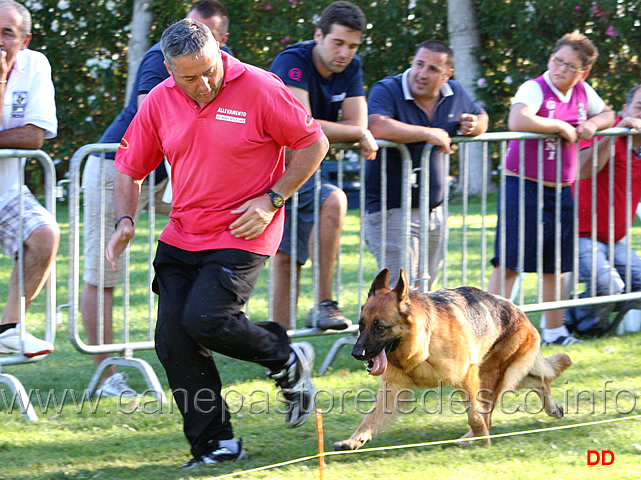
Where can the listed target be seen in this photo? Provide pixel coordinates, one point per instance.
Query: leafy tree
(518, 36)
(86, 46)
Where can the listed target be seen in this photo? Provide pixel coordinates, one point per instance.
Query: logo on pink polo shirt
(295, 74)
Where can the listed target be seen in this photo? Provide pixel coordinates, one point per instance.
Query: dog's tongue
(378, 365)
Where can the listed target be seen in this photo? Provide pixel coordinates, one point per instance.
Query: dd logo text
(605, 457)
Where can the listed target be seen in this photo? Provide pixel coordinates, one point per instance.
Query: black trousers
(200, 299)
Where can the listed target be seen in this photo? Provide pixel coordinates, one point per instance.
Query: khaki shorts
(33, 217)
(97, 227)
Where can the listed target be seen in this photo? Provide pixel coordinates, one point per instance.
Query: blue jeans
(608, 270)
(305, 221)
(592, 320)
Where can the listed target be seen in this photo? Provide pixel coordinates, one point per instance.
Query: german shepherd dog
(479, 342)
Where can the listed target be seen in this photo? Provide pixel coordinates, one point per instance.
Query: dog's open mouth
(377, 365)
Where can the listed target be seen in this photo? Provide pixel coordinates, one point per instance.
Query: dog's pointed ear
(379, 282)
(401, 289)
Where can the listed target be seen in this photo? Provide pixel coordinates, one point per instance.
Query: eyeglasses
(560, 63)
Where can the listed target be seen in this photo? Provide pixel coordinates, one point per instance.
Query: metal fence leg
(148, 373)
(20, 394)
(338, 344)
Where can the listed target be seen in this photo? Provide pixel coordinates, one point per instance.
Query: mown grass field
(143, 439)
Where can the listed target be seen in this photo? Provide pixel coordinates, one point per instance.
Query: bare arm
(523, 119)
(585, 158)
(603, 149)
(353, 126)
(28, 137)
(256, 214)
(126, 194)
(140, 98)
(393, 130)
(600, 121)
(4, 76)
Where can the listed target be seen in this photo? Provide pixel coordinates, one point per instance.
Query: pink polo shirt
(573, 111)
(221, 155)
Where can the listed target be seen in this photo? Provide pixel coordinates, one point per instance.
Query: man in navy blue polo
(421, 105)
(325, 75)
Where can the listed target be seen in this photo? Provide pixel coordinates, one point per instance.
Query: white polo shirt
(28, 99)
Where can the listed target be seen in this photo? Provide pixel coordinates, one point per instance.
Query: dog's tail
(550, 368)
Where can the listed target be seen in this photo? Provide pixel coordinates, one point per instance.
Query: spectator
(220, 234)
(28, 118)
(325, 75)
(150, 73)
(421, 105)
(610, 273)
(561, 102)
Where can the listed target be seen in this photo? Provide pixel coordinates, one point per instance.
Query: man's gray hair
(22, 11)
(186, 37)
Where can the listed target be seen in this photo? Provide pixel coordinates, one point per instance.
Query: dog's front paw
(349, 444)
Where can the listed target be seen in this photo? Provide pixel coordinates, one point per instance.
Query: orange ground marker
(321, 443)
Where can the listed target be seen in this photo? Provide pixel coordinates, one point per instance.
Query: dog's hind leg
(487, 402)
(470, 392)
(382, 412)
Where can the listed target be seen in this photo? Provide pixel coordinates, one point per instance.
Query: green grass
(144, 440)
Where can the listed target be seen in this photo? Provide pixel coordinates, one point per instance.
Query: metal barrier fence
(145, 327)
(527, 297)
(340, 150)
(466, 240)
(11, 381)
(533, 303)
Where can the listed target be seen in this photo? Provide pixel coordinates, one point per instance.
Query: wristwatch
(277, 200)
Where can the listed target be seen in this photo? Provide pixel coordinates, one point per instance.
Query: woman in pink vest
(558, 102)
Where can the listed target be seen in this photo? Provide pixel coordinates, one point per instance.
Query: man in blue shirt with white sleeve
(421, 105)
(325, 75)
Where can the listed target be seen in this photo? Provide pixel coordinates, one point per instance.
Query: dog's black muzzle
(363, 352)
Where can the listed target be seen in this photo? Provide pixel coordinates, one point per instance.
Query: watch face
(277, 200)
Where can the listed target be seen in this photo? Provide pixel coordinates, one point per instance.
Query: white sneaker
(32, 346)
(295, 382)
(116, 386)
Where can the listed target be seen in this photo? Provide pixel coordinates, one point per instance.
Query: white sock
(232, 445)
(551, 334)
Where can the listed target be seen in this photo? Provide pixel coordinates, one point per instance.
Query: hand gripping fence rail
(11, 381)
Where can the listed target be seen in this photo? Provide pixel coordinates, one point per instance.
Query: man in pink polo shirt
(223, 126)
